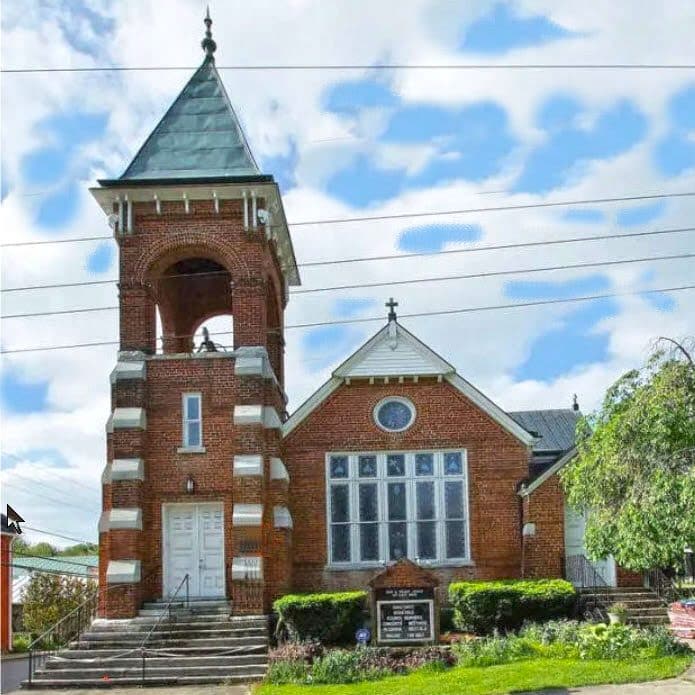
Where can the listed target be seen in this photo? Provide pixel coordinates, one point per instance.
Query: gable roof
(394, 352)
(199, 137)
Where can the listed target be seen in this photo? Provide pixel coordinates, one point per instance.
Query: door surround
(166, 507)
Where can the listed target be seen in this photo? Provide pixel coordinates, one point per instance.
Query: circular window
(394, 414)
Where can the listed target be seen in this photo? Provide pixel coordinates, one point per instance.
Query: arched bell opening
(189, 291)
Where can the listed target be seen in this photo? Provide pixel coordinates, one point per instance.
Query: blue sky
(348, 143)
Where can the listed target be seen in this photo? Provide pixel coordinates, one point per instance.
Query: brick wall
(544, 552)
(497, 462)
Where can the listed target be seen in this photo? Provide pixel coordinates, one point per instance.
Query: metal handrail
(167, 612)
(85, 613)
(663, 586)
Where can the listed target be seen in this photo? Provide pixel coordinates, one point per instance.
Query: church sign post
(404, 605)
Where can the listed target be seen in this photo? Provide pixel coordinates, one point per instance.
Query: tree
(634, 474)
(50, 597)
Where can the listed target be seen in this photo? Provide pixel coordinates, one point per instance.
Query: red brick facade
(497, 463)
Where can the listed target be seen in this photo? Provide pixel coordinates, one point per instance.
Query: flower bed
(682, 617)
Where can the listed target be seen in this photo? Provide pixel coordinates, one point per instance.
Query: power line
(393, 283)
(72, 495)
(370, 319)
(50, 499)
(393, 256)
(364, 66)
(58, 535)
(405, 215)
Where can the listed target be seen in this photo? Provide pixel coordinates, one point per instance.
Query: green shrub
(625, 642)
(504, 605)
(287, 671)
(553, 631)
(328, 618)
(340, 666)
(21, 642)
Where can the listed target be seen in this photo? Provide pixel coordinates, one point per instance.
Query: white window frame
(353, 480)
(186, 446)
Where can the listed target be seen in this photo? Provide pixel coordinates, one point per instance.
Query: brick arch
(175, 247)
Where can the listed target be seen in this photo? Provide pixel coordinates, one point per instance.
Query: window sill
(348, 566)
(191, 450)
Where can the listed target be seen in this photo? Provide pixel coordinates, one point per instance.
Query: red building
(208, 475)
(7, 535)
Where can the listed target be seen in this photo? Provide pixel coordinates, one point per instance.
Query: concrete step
(180, 651)
(195, 602)
(176, 632)
(47, 681)
(217, 660)
(219, 642)
(648, 620)
(655, 610)
(615, 589)
(251, 621)
(117, 671)
(62, 664)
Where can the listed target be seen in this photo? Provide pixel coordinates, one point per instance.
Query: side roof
(555, 428)
(395, 352)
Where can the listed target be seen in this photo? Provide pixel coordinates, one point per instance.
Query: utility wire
(365, 66)
(50, 499)
(466, 310)
(71, 495)
(405, 215)
(58, 535)
(393, 283)
(394, 256)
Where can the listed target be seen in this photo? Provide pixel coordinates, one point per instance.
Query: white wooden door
(575, 526)
(194, 545)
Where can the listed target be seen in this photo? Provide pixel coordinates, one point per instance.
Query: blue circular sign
(363, 635)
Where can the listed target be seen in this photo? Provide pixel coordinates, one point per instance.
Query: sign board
(405, 615)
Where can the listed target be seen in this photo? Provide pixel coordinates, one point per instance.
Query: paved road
(14, 671)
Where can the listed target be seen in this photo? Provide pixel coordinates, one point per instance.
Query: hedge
(483, 606)
(328, 618)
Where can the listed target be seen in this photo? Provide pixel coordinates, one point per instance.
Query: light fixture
(190, 484)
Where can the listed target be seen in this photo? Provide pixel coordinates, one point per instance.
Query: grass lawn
(521, 675)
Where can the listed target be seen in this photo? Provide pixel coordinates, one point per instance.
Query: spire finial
(391, 306)
(208, 44)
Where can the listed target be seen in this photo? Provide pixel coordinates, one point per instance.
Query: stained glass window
(388, 505)
(395, 414)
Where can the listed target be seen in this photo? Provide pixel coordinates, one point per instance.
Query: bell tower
(194, 485)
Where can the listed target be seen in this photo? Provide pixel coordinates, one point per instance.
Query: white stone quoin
(128, 469)
(266, 416)
(125, 518)
(246, 465)
(247, 515)
(129, 418)
(128, 370)
(278, 470)
(123, 572)
(248, 415)
(282, 517)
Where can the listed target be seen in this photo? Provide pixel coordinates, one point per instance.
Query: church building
(211, 479)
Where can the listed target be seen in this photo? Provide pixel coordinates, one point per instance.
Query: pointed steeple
(200, 136)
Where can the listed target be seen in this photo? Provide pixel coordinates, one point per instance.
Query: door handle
(201, 564)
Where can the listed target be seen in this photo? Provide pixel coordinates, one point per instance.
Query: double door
(194, 545)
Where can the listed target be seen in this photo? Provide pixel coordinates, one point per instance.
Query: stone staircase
(644, 607)
(203, 643)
